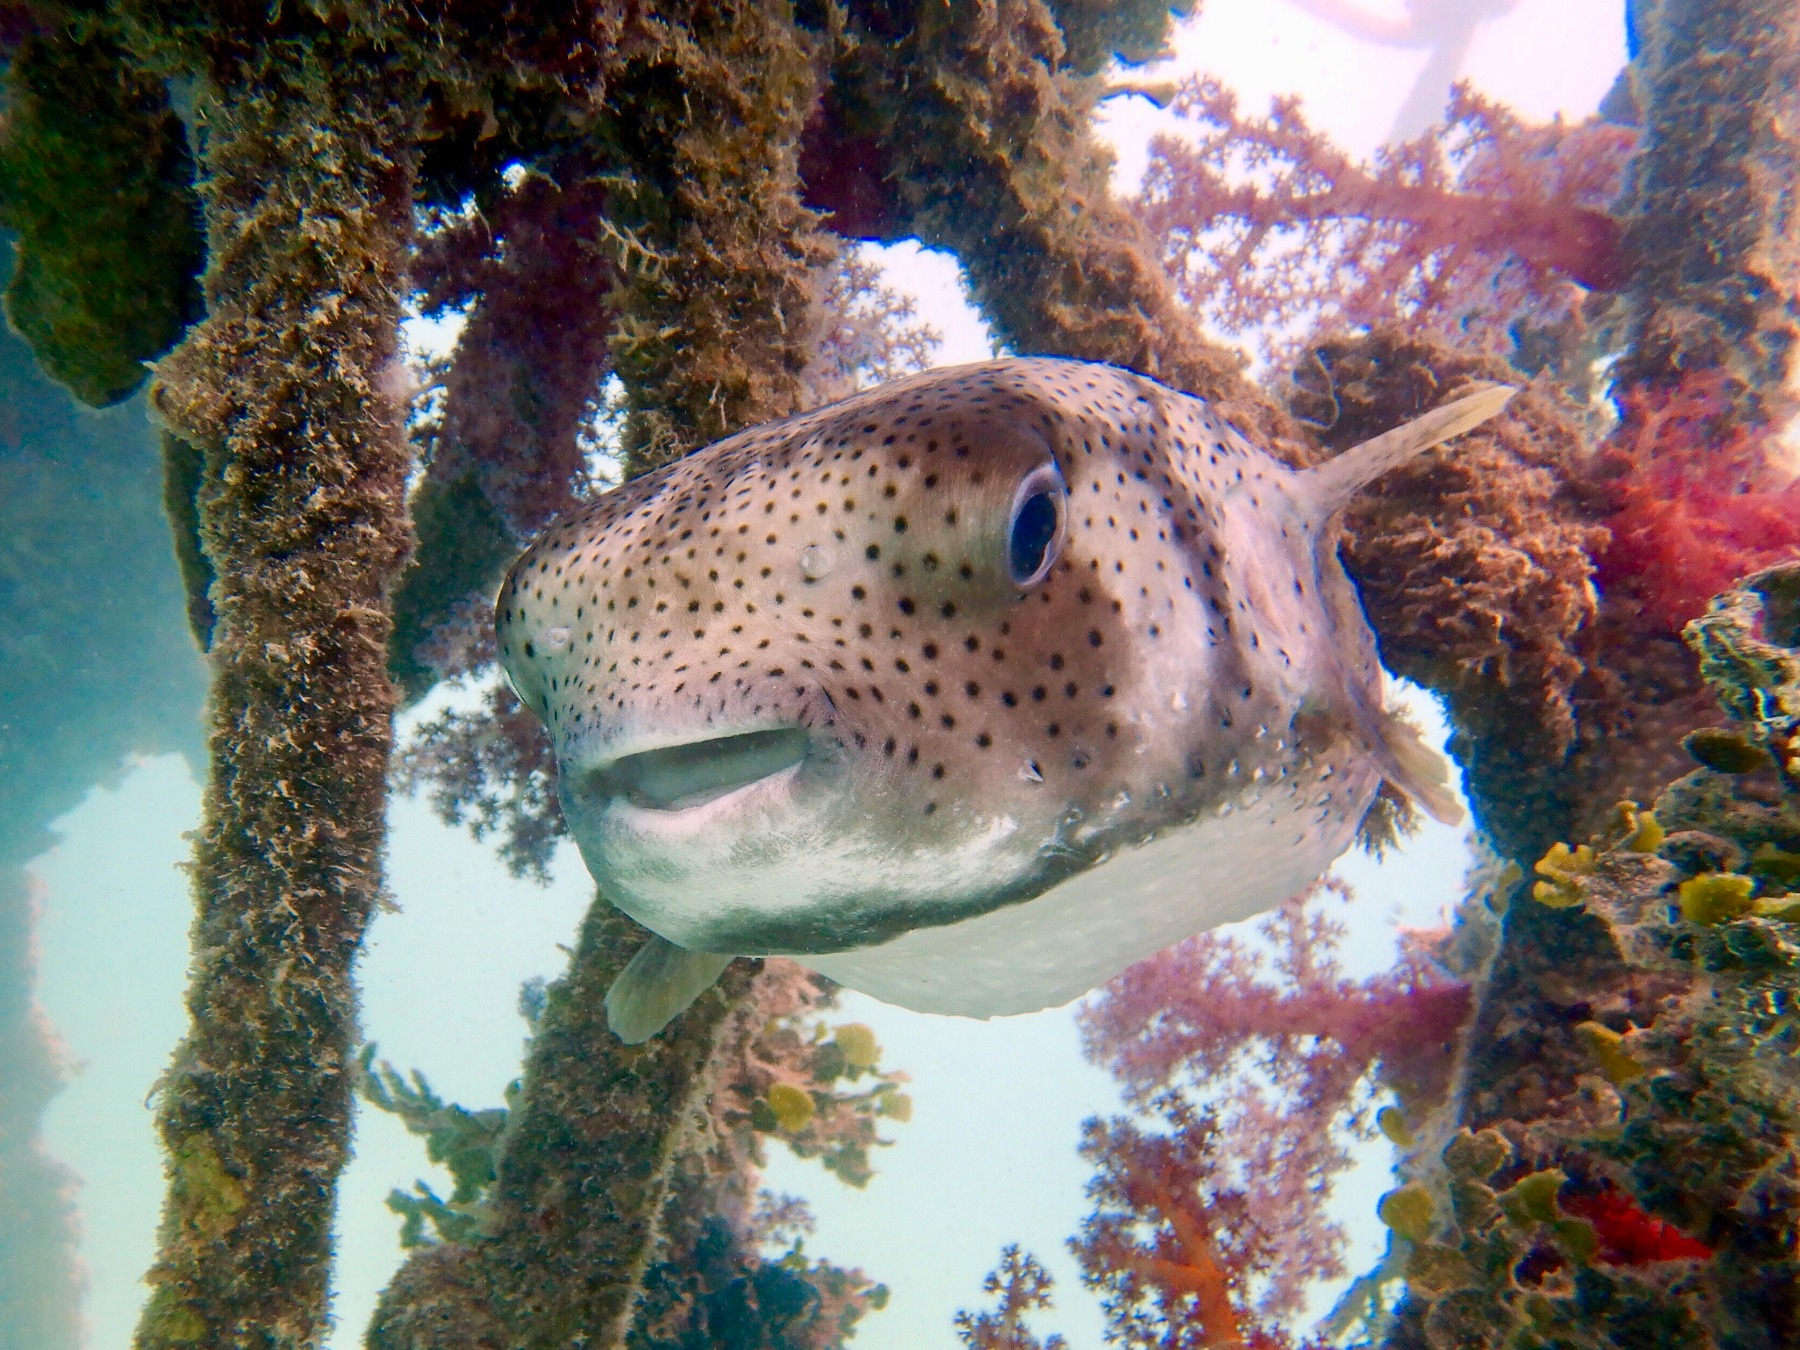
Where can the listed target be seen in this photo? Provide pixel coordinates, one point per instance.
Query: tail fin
(1336, 481)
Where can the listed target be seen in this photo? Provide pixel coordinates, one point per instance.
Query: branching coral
(528, 365)
(1697, 502)
(1175, 1239)
(492, 768)
(1023, 1287)
(1484, 232)
(1287, 1052)
(866, 333)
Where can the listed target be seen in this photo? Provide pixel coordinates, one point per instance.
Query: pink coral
(1480, 226)
(528, 367)
(1175, 1243)
(494, 768)
(1023, 1287)
(1189, 1013)
(1283, 1047)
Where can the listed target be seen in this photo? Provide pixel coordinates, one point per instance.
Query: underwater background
(520, 251)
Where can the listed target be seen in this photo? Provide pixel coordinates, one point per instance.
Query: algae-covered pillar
(970, 127)
(292, 389)
(1709, 202)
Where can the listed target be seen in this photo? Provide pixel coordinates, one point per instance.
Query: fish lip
(678, 776)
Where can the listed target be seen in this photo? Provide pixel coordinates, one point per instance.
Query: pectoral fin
(656, 986)
(1416, 769)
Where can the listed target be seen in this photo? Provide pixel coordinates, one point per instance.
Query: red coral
(1628, 1236)
(1696, 507)
(1191, 1012)
(1481, 226)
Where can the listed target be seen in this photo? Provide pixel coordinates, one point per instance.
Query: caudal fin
(1335, 482)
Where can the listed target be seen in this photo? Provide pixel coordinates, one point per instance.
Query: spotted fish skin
(803, 702)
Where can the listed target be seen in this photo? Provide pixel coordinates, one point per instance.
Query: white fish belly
(1074, 937)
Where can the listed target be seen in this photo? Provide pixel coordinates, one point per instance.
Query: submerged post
(292, 388)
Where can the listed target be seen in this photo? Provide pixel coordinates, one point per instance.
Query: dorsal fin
(1336, 481)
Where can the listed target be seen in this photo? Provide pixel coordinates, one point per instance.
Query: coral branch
(1475, 232)
(1285, 1051)
(1173, 1244)
(1024, 1287)
(1698, 501)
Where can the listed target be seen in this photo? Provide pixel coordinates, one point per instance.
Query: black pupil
(1032, 530)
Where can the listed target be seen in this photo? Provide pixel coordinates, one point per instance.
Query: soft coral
(1697, 503)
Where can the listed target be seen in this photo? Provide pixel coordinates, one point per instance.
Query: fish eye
(1035, 528)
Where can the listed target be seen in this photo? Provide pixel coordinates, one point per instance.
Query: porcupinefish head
(967, 691)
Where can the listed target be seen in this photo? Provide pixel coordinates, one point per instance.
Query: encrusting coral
(1631, 1058)
(97, 181)
(1708, 222)
(1474, 565)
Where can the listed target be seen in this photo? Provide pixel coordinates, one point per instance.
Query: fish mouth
(694, 773)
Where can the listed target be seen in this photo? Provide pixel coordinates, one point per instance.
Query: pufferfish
(968, 691)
